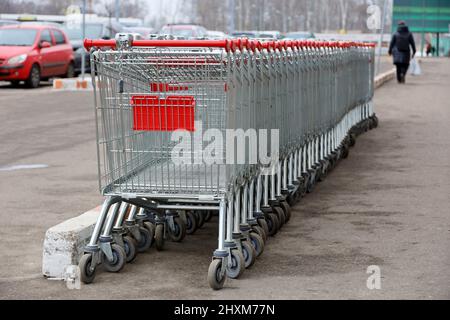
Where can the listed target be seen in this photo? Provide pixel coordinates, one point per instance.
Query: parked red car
(32, 53)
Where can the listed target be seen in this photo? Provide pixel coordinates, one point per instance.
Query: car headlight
(18, 59)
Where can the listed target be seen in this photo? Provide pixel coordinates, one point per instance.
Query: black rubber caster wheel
(272, 223)
(301, 191)
(263, 224)
(237, 267)
(179, 232)
(297, 196)
(345, 151)
(257, 243)
(216, 279)
(260, 231)
(324, 170)
(249, 253)
(292, 199)
(199, 215)
(375, 121)
(333, 161)
(280, 215)
(286, 209)
(318, 170)
(145, 242)
(191, 223)
(208, 216)
(151, 229)
(311, 184)
(129, 245)
(119, 259)
(87, 271)
(352, 140)
(159, 237)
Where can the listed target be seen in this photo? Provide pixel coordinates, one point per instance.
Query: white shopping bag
(414, 68)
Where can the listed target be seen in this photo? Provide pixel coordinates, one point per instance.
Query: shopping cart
(155, 99)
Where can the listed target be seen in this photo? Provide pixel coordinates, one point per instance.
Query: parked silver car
(184, 31)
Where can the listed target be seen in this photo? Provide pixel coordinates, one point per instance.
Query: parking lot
(386, 205)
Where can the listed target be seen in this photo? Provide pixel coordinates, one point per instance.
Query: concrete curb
(385, 77)
(64, 243)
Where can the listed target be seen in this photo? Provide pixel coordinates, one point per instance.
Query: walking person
(428, 48)
(400, 48)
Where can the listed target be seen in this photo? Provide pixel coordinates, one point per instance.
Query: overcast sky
(166, 8)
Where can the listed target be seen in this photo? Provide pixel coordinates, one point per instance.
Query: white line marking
(22, 278)
(24, 167)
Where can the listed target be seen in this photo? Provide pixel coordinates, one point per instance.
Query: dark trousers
(402, 68)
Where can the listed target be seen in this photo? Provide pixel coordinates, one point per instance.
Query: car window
(109, 33)
(59, 37)
(74, 31)
(185, 32)
(17, 37)
(45, 36)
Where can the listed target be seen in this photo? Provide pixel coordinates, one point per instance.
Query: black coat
(400, 45)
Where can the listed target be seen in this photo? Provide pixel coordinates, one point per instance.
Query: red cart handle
(226, 44)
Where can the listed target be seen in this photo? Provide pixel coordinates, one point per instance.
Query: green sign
(423, 15)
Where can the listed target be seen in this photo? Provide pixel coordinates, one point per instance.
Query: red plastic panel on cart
(166, 87)
(152, 113)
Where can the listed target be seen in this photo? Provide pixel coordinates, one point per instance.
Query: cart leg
(132, 225)
(92, 256)
(273, 202)
(273, 222)
(143, 220)
(245, 226)
(258, 214)
(106, 237)
(293, 186)
(93, 243)
(217, 272)
(237, 234)
(142, 231)
(255, 234)
(160, 230)
(291, 172)
(281, 189)
(121, 237)
(311, 167)
(251, 220)
(301, 173)
(237, 261)
(112, 256)
(175, 226)
(249, 248)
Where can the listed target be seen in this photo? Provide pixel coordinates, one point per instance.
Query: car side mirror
(44, 44)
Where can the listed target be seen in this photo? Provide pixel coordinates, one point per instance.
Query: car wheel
(70, 73)
(34, 77)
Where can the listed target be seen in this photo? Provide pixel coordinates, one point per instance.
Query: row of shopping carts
(236, 128)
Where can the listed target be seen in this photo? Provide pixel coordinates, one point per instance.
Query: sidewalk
(386, 205)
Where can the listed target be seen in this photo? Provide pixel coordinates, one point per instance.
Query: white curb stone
(64, 243)
(383, 78)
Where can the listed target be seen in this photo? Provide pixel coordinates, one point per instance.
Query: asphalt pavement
(387, 206)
